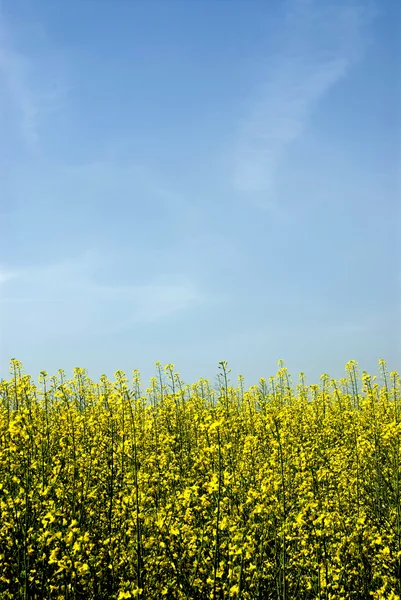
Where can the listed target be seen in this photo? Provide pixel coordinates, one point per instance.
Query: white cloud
(68, 298)
(29, 87)
(318, 44)
(6, 275)
(13, 73)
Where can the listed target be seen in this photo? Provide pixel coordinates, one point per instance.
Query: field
(280, 491)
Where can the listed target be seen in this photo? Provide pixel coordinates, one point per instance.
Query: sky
(190, 182)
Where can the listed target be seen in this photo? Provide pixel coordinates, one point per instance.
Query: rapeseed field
(200, 491)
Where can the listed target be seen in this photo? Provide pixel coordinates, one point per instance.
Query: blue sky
(200, 181)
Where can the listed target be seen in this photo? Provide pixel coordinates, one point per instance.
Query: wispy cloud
(13, 74)
(69, 298)
(319, 43)
(30, 95)
(6, 275)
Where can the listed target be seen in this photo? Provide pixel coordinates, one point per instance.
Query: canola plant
(196, 492)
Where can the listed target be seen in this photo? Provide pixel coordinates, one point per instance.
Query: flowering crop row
(191, 492)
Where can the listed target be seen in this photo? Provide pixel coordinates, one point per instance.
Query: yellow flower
(83, 569)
